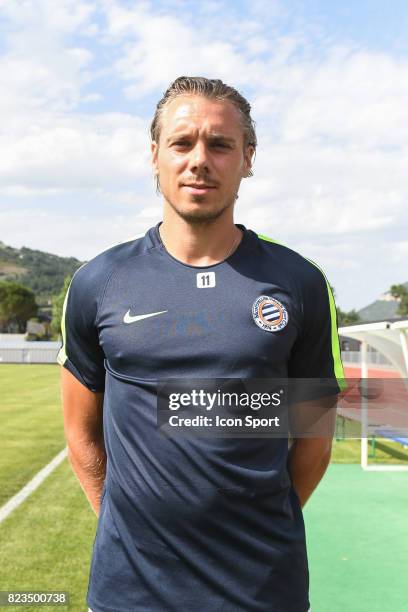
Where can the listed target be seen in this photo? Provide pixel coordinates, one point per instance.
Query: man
(194, 522)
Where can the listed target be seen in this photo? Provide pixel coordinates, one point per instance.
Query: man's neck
(200, 244)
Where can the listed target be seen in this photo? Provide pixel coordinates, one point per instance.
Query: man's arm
(308, 461)
(312, 424)
(83, 424)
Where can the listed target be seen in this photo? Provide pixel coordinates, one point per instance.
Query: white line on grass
(31, 486)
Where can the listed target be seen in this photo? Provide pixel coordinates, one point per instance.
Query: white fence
(14, 349)
(373, 358)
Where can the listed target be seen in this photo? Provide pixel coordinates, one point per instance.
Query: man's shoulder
(97, 270)
(303, 269)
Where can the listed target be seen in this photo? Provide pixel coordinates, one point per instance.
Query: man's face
(200, 158)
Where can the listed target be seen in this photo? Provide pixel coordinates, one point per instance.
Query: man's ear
(154, 148)
(248, 157)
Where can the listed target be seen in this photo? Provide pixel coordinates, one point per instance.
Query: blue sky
(328, 84)
(375, 24)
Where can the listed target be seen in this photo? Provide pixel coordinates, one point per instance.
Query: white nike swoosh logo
(129, 319)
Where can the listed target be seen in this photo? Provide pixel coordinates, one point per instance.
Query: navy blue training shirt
(210, 524)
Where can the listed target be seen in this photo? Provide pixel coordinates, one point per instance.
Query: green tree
(58, 305)
(17, 305)
(401, 292)
(345, 318)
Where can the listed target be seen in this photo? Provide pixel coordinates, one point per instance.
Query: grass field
(31, 423)
(45, 544)
(356, 521)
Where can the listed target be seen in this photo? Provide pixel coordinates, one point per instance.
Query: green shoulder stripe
(338, 366)
(262, 237)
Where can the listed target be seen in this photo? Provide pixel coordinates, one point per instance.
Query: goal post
(391, 340)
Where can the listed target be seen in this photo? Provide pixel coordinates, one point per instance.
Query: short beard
(200, 216)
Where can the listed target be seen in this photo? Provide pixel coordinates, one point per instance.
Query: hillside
(382, 309)
(42, 272)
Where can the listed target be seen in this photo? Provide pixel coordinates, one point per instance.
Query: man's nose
(199, 157)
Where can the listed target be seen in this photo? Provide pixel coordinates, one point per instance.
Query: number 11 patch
(205, 280)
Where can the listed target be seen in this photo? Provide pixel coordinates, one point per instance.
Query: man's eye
(187, 143)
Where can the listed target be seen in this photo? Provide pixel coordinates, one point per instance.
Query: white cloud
(399, 252)
(333, 193)
(158, 47)
(41, 68)
(56, 232)
(61, 16)
(22, 191)
(356, 98)
(75, 152)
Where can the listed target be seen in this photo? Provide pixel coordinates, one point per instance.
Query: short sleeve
(316, 353)
(81, 352)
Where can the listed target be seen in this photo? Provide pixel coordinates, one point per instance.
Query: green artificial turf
(357, 526)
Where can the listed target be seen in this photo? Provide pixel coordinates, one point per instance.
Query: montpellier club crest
(269, 314)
